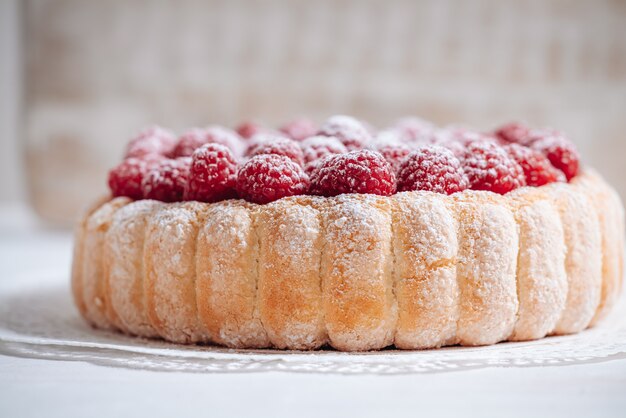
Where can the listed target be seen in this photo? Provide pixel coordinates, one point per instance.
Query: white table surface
(32, 387)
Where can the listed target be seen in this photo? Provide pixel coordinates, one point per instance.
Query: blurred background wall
(93, 73)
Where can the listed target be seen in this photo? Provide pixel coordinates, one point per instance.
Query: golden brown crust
(583, 260)
(358, 272)
(124, 272)
(94, 291)
(227, 270)
(289, 287)
(170, 272)
(488, 246)
(425, 250)
(610, 216)
(541, 276)
(357, 286)
(77, 256)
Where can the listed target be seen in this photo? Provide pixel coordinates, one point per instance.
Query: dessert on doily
(301, 237)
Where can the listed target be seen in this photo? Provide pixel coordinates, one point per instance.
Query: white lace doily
(43, 323)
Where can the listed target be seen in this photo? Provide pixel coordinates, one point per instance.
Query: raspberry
(412, 129)
(248, 129)
(195, 138)
(457, 139)
(317, 147)
(513, 132)
(560, 151)
(166, 180)
(125, 179)
(394, 154)
(537, 168)
(433, 168)
(489, 167)
(151, 141)
(268, 177)
(351, 132)
(278, 146)
(212, 175)
(361, 171)
(299, 129)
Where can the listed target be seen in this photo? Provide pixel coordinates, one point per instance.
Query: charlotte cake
(472, 239)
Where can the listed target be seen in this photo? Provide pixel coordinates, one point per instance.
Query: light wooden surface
(95, 72)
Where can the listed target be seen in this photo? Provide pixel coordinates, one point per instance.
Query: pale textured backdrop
(95, 72)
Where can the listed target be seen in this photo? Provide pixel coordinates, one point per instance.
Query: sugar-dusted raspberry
(457, 139)
(513, 132)
(394, 154)
(151, 141)
(166, 180)
(195, 138)
(351, 132)
(317, 147)
(559, 150)
(268, 177)
(537, 168)
(212, 175)
(412, 129)
(278, 146)
(433, 168)
(125, 179)
(299, 129)
(362, 171)
(489, 167)
(248, 129)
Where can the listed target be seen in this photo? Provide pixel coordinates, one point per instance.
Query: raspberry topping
(537, 168)
(361, 171)
(489, 167)
(268, 177)
(559, 150)
(412, 129)
(513, 132)
(212, 175)
(317, 147)
(151, 141)
(351, 132)
(166, 180)
(125, 179)
(196, 137)
(433, 168)
(248, 129)
(278, 146)
(394, 154)
(299, 129)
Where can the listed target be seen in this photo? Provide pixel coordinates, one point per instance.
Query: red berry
(433, 168)
(196, 137)
(212, 175)
(361, 171)
(412, 129)
(394, 154)
(351, 132)
(299, 129)
(268, 177)
(489, 167)
(559, 150)
(166, 180)
(248, 129)
(537, 168)
(125, 179)
(458, 139)
(513, 132)
(317, 147)
(151, 141)
(278, 146)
